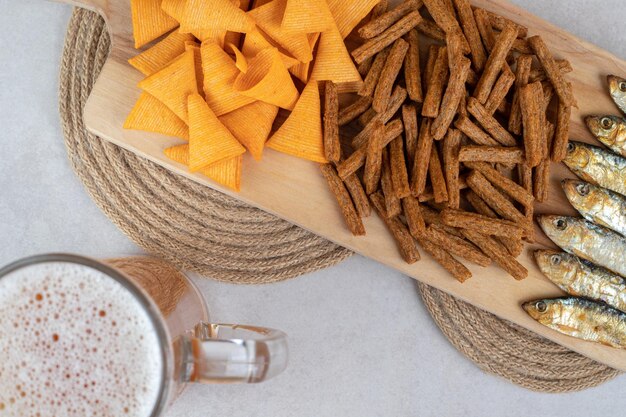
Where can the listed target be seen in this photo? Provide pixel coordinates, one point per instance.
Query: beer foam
(75, 342)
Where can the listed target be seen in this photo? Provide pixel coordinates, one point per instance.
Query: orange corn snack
(251, 125)
(220, 73)
(302, 70)
(226, 172)
(256, 41)
(149, 21)
(268, 80)
(209, 140)
(172, 84)
(301, 134)
(153, 59)
(269, 18)
(197, 60)
(151, 115)
(306, 16)
(215, 14)
(348, 13)
(240, 60)
(333, 62)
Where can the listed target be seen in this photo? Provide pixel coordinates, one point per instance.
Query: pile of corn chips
(222, 69)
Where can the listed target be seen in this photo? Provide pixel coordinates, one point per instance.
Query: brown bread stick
(343, 198)
(506, 185)
(538, 74)
(381, 23)
(404, 241)
(447, 261)
(371, 79)
(437, 179)
(374, 159)
(496, 200)
(495, 61)
(451, 148)
(367, 117)
(332, 146)
(380, 42)
(500, 90)
(377, 11)
(430, 29)
(521, 46)
(399, 175)
(354, 110)
(498, 22)
(397, 98)
(561, 136)
(434, 89)
(483, 23)
(361, 202)
(456, 246)
(392, 202)
(409, 119)
(475, 133)
(433, 53)
(412, 74)
(489, 123)
(466, 220)
(391, 69)
(422, 158)
(552, 70)
(496, 154)
(531, 103)
(525, 177)
(451, 98)
(522, 73)
(442, 12)
(413, 215)
(497, 253)
(542, 171)
(468, 24)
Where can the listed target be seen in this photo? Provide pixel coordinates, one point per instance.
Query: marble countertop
(362, 343)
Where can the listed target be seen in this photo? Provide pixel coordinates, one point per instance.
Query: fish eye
(583, 189)
(622, 86)
(541, 307)
(571, 147)
(606, 123)
(555, 260)
(560, 224)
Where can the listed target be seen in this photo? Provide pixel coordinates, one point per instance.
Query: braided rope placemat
(199, 229)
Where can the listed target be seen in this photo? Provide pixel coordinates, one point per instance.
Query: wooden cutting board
(294, 189)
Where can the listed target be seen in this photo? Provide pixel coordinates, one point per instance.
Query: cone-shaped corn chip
(220, 73)
(269, 19)
(302, 70)
(348, 13)
(226, 172)
(172, 84)
(151, 60)
(333, 62)
(215, 14)
(307, 16)
(176, 9)
(251, 125)
(149, 21)
(150, 115)
(209, 140)
(301, 134)
(240, 60)
(268, 80)
(256, 41)
(197, 59)
(235, 37)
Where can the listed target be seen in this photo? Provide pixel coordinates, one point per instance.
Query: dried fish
(617, 88)
(586, 240)
(597, 204)
(581, 278)
(580, 318)
(610, 130)
(597, 166)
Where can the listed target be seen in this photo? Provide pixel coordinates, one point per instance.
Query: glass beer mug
(119, 337)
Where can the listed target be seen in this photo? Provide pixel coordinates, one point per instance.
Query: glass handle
(225, 353)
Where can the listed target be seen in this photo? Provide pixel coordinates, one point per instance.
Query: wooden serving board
(294, 189)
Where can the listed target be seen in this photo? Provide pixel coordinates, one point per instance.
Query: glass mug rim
(144, 300)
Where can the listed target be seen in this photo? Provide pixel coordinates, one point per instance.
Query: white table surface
(361, 342)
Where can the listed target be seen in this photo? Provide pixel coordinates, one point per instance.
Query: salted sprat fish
(610, 130)
(617, 88)
(597, 166)
(597, 204)
(581, 278)
(587, 240)
(580, 318)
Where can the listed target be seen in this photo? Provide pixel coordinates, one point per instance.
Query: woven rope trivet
(202, 230)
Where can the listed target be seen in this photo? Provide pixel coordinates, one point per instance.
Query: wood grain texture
(303, 197)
